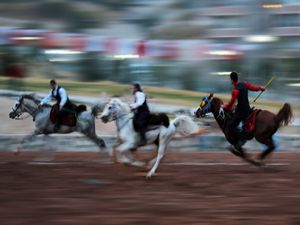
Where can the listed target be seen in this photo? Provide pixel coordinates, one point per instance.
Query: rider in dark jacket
(141, 110)
(64, 104)
(242, 110)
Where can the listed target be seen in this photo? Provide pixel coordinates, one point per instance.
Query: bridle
(29, 111)
(205, 106)
(114, 114)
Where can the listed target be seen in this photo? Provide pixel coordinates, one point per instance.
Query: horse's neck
(122, 120)
(30, 107)
(220, 120)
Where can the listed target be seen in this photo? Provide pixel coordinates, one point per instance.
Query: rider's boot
(241, 141)
(143, 140)
(56, 127)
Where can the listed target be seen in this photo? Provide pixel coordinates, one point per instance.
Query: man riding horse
(62, 100)
(141, 110)
(242, 110)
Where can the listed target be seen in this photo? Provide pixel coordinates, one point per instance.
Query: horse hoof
(149, 175)
(138, 164)
(234, 151)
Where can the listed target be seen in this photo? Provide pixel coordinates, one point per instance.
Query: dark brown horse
(266, 125)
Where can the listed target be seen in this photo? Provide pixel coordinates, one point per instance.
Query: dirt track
(190, 188)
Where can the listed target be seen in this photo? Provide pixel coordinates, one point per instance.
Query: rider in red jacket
(242, 110)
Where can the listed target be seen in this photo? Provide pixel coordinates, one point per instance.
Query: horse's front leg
(26, 139)
(96, 139)
(120, 153)
(124, 155)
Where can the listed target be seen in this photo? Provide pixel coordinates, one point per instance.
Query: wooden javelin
(266, 86)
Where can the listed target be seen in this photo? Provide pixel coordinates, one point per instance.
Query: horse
(118, 111)
(266, 125)
(29, 103)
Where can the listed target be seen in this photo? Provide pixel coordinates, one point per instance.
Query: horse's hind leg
(163, 142)
(242, 154)
(271, 146)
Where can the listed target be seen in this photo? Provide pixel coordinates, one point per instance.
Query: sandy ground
(189, 188)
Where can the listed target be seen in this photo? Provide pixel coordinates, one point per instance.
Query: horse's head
(18, 108)
(114, 108)
(25, 103)
(205, 106)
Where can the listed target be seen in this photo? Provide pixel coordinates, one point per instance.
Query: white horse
(130, 139)
(28, 103)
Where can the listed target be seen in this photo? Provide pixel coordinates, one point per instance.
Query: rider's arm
(64, 97)
(140, 99)
(47, 99)
(252, 87)
(229, 105)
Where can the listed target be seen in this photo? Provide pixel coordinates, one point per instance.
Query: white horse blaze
(130, 138)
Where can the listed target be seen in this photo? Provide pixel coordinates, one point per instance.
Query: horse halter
(18, 114)
(112, 113)
(205, 106)
(17, 106)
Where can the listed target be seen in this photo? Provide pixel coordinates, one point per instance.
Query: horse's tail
(186, 126)
(285, 115)
(80, 109)
(164, 119)
(95, 110)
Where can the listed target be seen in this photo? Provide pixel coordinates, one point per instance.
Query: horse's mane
(32, 97)
(124, 106)
(217, 100)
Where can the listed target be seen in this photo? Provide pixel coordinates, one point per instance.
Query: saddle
(249, 123)
(154, 120)
(70, 117)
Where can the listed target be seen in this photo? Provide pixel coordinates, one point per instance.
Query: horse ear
(210, 96)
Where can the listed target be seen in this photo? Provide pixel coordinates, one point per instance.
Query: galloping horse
(266, 125)
(85, 123)
(129, 138)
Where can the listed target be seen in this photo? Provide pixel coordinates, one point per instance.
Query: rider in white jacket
(64, 104)
(141, 110)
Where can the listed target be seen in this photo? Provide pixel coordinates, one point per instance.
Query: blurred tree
(90, 67)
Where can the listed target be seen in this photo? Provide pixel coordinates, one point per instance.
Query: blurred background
(191, 45)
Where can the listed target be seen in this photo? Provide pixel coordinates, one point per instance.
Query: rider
(140, 109)
(242, 110)
(64, 104)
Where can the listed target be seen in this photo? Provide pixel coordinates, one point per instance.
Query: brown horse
(266, 125)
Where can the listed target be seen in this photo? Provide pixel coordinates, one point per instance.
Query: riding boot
(245, 135)
(56, 126)
(242, 139)
(58, 121)
(143, 140)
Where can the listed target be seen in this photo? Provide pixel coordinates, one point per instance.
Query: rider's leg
(59, 117)
(234, 128)
(142, 124)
